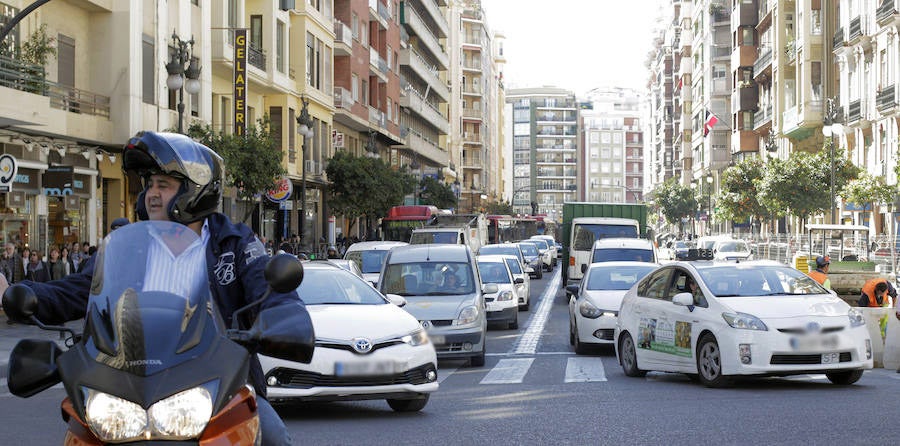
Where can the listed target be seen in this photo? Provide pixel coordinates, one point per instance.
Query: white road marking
(528, 343)
(584, 369)
(508, 371)
(444, 373)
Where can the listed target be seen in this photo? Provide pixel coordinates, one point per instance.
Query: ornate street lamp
(305, 126)
(184, 73)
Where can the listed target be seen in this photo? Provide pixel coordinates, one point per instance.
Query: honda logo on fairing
(362, 345)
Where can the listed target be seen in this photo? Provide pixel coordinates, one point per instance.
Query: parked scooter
(155, 361)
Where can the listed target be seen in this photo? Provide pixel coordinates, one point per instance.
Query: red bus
(401, 220)
(506, 228)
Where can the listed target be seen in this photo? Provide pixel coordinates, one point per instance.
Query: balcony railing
(886, 98)
(377, 117)
(838, 40)
(343, 34)
(763, 60)
(854, 111)
(343, 98)
(256, 57)
(886, 10)
(856, 28)
(762, 116)
(30, 78)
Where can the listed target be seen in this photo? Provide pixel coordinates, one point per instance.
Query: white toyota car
(366, 347)
(749, 318)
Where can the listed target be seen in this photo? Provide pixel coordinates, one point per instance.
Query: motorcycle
(155, 361)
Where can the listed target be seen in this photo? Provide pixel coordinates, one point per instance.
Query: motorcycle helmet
(821, 261)
(200, 170)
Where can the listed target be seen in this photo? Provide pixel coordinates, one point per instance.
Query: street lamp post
(184, 73)
(456, 191)
(414, 165)
(305, 129)
(709, 181)
(832, 124)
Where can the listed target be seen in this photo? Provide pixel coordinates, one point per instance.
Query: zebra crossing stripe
(528, 342)
(508, 371)
(585, 369)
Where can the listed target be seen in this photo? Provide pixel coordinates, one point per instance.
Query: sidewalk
(10, 334)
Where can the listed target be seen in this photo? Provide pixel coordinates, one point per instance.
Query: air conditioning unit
(310, 167)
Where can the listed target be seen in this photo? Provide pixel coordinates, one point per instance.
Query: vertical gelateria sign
(240, 81)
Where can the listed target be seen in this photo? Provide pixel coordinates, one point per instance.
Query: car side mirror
(583, 268)
(396, 299)
(489, 288)
(32, 367)
(572, 289)
(683, 299)
(519, 280)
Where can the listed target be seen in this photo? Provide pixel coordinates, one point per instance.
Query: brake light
(571, 261)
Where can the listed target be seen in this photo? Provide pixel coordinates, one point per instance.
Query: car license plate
(364, 368)
(808, 343)
(437, 339)
(831, 358)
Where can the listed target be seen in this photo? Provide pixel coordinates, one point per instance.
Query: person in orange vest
(820, 274)
(875, 293)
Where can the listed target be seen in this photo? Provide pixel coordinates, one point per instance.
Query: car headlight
(856, 318)
(506, 295)
(418, 337)
(744, 321)
(179, 417)
(590, 311)
(467, 316)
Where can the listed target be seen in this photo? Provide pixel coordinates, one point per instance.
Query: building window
(354, 87)
(256, 32)
(279, 46)
(225, 114)
(816, 78)
(148, 59)
(354, 26)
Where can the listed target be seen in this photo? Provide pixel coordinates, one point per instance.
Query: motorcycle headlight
(183, 415)
(856, 318)
(506, 295)
(418, 337)
(179, 417)
(468, 315)
(112, 418)
(744, 321)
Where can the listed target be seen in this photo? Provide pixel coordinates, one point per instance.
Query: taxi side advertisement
(659, 335)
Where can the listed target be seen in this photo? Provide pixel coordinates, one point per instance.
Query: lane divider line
(528, 342)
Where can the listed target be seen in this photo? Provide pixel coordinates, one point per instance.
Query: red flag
(711, 121)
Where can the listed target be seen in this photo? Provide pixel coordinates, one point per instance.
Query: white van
(585, 231)
(369, 257)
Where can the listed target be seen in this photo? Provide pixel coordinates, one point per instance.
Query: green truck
(584, 223)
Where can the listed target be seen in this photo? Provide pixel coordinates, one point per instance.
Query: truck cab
(587, 230)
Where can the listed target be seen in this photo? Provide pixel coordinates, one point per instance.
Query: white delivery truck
(456, 229)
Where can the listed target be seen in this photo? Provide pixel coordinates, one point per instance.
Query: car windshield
(493, 272)
(369, 261)
(514, 266)
(616, 277)
(747, 280)
(735, 246)
(325, 285)
(528, 249)
(429, 237)
(622, 254)
(495, 249)
(428, 278)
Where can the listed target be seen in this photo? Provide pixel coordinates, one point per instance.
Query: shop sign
(58, 181)
(8, 169)
(282, 190)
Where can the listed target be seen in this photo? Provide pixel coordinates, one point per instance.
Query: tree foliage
(39, 47)
(252, 160)
(868, 190)
(675, 201)
(435, 193)
(738, 198)
(499, 208)
(363, 186)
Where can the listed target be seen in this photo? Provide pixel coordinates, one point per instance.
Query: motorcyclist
(183, 182)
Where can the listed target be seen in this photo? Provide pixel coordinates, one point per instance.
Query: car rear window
(622, 254)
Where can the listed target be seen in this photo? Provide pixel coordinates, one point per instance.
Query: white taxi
(750, 318)
(367, 347)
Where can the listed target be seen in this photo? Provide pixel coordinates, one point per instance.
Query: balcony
(471, 65)
(434, 12)
(472, 162)
(343, 98)
(472, 90)
(762, 116)
(377, 117)
(472, 138)
(416, 26)
(854, 111)
(886, 100)
(343, 39)
(414, 102)
(886, 11)
(838, 41)
(29, 78)
(745, 97)
(763, 61)
(256, 57)
(425, 147)
(720, 51)
(375, 16)
(743, 56)
(856, 29)
(377, 66)
(744, 14)
(471, 114)
(427, 72)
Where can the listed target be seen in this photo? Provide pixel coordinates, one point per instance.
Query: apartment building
(662, 162)
(682, 95)
(866, 47)
(612, 166)
(545, 148)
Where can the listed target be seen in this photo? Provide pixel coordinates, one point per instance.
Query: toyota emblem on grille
(362, 345)
(813, 327)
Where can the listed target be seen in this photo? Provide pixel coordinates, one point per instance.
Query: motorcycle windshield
(150, 306)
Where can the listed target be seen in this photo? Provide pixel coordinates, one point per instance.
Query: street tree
(499, 208)
(435, 193)
(365, 187)
(869, 190)
(675, 201)
(738, 199)
(252, 160)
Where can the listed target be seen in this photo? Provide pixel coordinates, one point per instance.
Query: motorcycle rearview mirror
(284, 332)
(20, 303)
(32, 367)
(284, 273)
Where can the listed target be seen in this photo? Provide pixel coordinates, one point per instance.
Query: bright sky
(574, 44)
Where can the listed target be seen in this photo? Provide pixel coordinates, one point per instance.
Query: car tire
(514, 324)
(580, 347)
(571, 333)
(526, 306)
(413, 405)
(844, 378)
(540, 273)
(477, 360)
(709, 362)
(628, 355)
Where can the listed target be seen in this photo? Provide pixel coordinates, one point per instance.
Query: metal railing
(856, 28)
(31, 78)
(838, 40)
(256, 57)
(764, 59)
(886, 98)
(343, 98)
(854, 110)
(887, 9)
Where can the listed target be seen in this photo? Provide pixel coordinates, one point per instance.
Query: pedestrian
(875, 293)
(85, 255)
(187, 189)
(56, 265)
(332, 252)
(37, 270)
(820, 274)
(67, 259)
(26, 257)
(11, 265)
